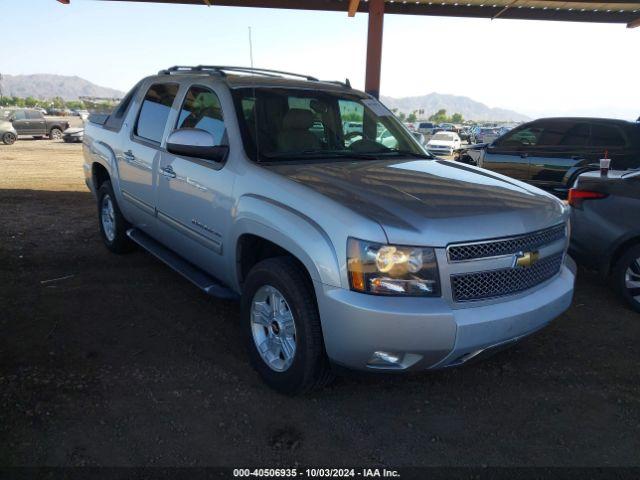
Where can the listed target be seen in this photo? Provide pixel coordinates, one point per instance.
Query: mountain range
(47, 86)
(468, 108)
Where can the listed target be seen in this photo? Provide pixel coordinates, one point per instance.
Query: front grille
(506, 246)
(506, 281)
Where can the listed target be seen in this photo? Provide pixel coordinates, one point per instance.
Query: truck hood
(431, 202)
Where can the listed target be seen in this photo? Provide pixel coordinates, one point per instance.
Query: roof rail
(222, 69)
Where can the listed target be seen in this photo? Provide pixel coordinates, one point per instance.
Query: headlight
(391, 269)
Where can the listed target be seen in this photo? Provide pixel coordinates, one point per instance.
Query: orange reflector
(357, 281)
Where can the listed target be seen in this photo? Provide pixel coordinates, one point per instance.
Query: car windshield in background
(443, 136)
(291, 124)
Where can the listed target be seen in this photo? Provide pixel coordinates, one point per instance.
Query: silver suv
(341, 249)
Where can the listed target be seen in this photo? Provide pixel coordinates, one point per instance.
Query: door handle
(168, 172)
(129, 157)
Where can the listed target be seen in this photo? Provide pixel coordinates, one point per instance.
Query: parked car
(448, 127)
(8, 133)
(550, 153)
(30, 122)
(485, 135)
(426, 128)
(444, 143)
(343, 252)
(73, 135)
(605, 232)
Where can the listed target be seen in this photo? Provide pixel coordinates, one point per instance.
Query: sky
(535, 68)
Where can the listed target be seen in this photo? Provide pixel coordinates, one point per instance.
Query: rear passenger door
(562, 146)
(141, 153)
(194, 195)
(37, 124)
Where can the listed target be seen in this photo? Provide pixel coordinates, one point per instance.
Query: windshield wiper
(321, 154)
(409, 153)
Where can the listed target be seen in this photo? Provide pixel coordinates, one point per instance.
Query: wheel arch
(619, 250)
(286, 231)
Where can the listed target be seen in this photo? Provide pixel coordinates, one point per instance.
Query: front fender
(289, 229)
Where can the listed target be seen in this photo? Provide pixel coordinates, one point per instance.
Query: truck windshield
(292, 124)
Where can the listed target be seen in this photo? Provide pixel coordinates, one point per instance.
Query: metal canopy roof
(618, 11)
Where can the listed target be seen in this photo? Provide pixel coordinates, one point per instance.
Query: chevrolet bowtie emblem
(526, 259)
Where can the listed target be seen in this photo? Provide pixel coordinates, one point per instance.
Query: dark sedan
(550, 153)
(605, 228)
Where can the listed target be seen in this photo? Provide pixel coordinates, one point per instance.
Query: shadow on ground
(125, 363)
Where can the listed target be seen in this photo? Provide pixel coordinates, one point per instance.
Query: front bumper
(428, 333)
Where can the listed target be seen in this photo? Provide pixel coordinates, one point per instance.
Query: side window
(33, 115)
(522, 137)
(116, 119)
(606, 136)
(19, 115)
(577, 136)
(201, 109)
(155, 110)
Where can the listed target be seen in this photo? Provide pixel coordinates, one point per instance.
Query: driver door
(509, 155)
(194, 195)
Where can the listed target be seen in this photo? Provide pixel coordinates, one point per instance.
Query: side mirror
(193, 142)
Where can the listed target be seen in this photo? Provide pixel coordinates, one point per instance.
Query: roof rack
(221, 71)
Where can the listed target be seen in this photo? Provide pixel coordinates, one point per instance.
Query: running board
(201, 279)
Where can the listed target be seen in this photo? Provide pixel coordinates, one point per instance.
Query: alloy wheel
(273, 328)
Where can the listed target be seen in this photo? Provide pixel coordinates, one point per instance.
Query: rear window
(155, 110)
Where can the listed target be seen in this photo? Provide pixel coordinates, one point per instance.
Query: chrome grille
(506, 281)
(505, 246)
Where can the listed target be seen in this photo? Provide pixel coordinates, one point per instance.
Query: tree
(402, 116)
(439, 117)
(412, 117)
(457, 118)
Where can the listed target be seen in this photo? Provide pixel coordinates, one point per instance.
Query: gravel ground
(122, 362)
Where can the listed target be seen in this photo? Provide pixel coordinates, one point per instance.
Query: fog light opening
(381, 358)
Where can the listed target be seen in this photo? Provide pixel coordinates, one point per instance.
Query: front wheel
(626, 277)
(281, 326)
(9, 138)
(55, 134)
(113, 226)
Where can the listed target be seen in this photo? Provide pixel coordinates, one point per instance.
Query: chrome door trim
(210, 243)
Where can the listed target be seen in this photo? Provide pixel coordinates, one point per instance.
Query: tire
(309, 367)
(627, 269)
(55, 134)
(9, 138)
(113, 226)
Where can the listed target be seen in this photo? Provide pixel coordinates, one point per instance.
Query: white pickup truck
(342, 249)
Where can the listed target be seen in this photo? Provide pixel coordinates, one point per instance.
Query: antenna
(255, 102)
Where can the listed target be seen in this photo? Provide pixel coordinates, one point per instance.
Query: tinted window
(563, 133)
(606, 136)
(19, 115)
(521, 137)
(201, 109)
(115, 120)
(155, 110)
(33, 115)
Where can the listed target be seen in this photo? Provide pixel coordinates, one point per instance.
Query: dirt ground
(122, 362)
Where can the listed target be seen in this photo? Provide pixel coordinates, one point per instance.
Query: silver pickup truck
(356, 249)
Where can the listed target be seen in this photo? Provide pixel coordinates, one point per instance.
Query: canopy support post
(374, 47)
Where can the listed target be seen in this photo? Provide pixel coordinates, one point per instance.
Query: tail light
(576, 197)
